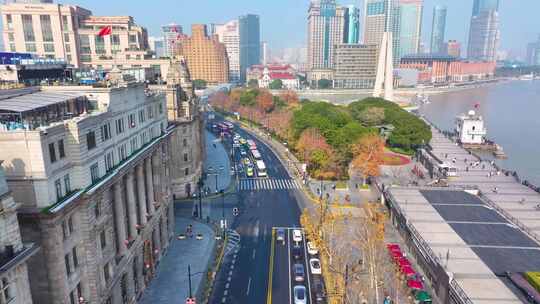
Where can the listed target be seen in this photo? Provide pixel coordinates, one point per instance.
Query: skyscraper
(250, 42)
(157, 46)
(533, 52)
(171, 33)
(377, 20)
(438, 28)
(326, 24)
(229, 35)
(407, 24)
(484, 32)
(352, 25)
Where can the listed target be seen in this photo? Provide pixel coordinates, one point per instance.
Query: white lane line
(249, 285)
(289, 185)
(256, 182)
(272, 185)
(253, 255)
(289, 262)
(297, 185)
(223, 300)
(306, 257)
(282, 183)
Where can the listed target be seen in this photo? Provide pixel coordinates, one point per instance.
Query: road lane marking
(289, 262)
(271, 272)
(253, 255)
(249, 285)
(306, 257)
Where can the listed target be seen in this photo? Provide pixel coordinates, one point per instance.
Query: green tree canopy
(199, 84)
(253, 83)
(276, 84)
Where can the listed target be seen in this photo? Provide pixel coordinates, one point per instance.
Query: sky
(284, 22)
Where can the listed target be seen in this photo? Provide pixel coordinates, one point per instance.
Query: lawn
(393, 159)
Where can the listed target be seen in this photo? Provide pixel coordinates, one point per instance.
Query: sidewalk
(171, 282)
(216, 158)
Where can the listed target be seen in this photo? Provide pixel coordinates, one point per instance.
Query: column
(156, 240)
(119, 218)
(131, 205)
(142, 194)
(156, 174)
(149, 186)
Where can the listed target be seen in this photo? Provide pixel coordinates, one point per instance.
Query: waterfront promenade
(516, 201)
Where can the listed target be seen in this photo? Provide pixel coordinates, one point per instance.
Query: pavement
(171, 284)
(216, 159)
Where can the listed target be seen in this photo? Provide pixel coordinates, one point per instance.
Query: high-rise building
(206, 57)
(229, 35)
(407, 25)
(438, 28)
(172, 34)
(533, 52)
(484, 34)
(377, 20)
(250, 42)
(355, 65)
(326, 28)
(352, 25)
(453, 48)
(156, 44)
(29, 1)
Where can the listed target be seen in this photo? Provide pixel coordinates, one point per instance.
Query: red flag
(105, 31)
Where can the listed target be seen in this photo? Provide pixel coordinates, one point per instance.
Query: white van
(261, 169)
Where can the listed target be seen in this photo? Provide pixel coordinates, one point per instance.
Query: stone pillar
(156, 174)
(156, 240)
(131, 205)
(120, 217)
(142, 194)
(150, 186)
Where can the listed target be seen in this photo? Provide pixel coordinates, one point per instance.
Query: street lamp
(189, 279)
(200, 184)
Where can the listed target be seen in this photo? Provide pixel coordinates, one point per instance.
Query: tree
(368, 155)
(249, 97)
(276, 84)
(324, 84)
(221, 100)
(289, 97)
(371, 116)
(253, 83)
(236, 94)
(265, 101)
(199, 84)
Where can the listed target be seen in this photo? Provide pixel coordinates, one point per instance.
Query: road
(264, 203)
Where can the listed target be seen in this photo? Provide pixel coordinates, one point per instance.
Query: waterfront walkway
(516, 201)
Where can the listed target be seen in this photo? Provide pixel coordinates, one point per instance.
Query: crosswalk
(267, 184)
(233, 242)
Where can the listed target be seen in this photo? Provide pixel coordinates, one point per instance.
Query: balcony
(9, 258)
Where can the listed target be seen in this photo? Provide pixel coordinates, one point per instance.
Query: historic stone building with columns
(91, 167)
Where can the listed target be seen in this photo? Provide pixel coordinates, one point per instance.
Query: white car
(315, 266)
(311, 248)
(297, 235)
(299, 294)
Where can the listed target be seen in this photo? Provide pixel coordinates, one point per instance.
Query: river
(511, 112)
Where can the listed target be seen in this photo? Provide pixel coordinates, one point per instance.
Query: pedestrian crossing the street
(267, 184)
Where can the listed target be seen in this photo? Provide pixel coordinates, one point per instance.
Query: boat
(527, 77)
(499, 152)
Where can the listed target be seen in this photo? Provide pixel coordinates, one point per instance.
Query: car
(243, 152)
(280, 235)
(242, 141)
(246, 161)
(299, 273)
(299, 294)
(317, 287)
(297, 235)
(297, 252)
(249, 171)
(312, 249)
(315, 266)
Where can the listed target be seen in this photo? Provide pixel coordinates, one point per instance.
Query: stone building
(355, 66)
(91, 168)
(14, 284)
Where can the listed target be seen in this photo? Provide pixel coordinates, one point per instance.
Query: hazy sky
(283, 22)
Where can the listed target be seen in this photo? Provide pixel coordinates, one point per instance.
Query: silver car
(299, 294)
(299, 272)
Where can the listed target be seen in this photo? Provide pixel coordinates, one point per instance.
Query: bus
(256, 154)
(261, 169)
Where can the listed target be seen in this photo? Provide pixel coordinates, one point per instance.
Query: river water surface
(511, 112)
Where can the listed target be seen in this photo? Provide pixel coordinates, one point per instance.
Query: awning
(407, 270)
(414, 284)
(33, 101)
(423, 297)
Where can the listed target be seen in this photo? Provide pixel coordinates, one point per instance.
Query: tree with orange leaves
(368, 155)
(220, 100)
(265, 101)
(289, 97)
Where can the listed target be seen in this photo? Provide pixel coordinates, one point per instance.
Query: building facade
(206, 57)
(453, 48)
(266, 74)
(264, 53)
(171, 36)
(484, 34)
(95, 187)
(355, 66)
(14, 254)
(326, 28)
(533, 53)
(250, 42)
(407, 25)
(438, 29)
(157, 46)
(377, 20)
(229, 35)
(352, 25)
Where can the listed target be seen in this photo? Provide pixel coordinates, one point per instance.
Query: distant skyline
(283, 28)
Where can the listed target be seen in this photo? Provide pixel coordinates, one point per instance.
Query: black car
(317, 288)
(297, 252)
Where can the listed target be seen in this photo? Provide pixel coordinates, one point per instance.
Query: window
(124, 288)
(119, 126)
(150, 112)
(91, 140)
(46, 29)
(67, 183)
(58, 187)
(106, 133)
(115, 42)
(160, 108)
(134, 144)
(97, 209)
(94, 172)
(122, 153)
(75, 257)
(70, 225)
(132, 38)
(28, 28)
(103, 239)
(185, 157)
(131, 121)
(141, 116)
(65, 23)
(48, 48)
(100, 44)
(9, 22)
(31, 47)
(68, 58)
(109, 161)
(68, 265)
(61, 151)
(66, 39)
(84, 42)
(184, 142)
(11, 37)
(106, 274)
(186, 172)
(52, 153)
(5, 290)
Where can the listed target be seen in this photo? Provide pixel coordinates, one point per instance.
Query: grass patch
(401, 151)
(341, 185)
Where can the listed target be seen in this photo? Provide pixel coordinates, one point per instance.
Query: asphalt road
(260, 209)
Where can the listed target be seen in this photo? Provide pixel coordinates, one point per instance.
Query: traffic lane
(299, 256)
(281, 284)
